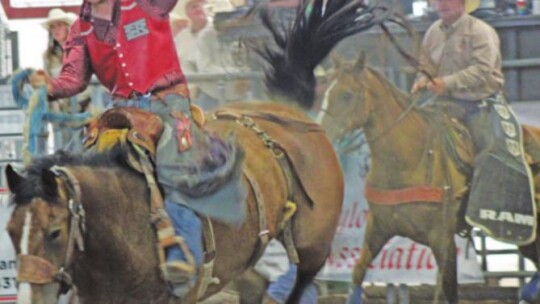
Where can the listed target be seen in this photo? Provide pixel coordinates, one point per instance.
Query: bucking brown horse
(419, 160)
(84, 220)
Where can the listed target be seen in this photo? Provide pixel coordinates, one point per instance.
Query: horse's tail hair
(319, 25)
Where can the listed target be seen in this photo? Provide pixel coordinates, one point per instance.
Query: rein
(36, 270)
(403, 114)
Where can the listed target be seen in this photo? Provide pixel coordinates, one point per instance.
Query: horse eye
(346, 96)
(55, 234)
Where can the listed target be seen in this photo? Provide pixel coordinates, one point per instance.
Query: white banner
(8, 268)
(401, 260)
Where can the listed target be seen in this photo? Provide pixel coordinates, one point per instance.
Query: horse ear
(335, 59)
(48, 178)
(14, 180)
(360, 63)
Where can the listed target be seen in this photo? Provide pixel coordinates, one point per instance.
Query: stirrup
(177, 272)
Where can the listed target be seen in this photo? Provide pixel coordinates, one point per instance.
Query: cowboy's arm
(484, 54)
(76, 70)
(160, 8)
(421, 80)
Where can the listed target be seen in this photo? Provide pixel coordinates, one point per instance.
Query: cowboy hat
(58, 15)
(470, 5)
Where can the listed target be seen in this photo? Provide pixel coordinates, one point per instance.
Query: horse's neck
(397, 135)
(120, 253)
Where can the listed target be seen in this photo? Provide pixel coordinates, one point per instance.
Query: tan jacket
(467, 56)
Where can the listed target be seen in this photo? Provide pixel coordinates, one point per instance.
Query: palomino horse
(408, 155)
(84, 219)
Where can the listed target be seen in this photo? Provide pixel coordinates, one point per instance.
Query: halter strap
(36, 270)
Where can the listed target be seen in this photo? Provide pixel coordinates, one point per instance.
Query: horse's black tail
(319, 25)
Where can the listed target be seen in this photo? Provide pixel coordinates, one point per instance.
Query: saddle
(459, 146)
(485, 199)
(140, 130)
(143, 128)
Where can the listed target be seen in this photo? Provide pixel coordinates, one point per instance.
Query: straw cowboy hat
(470, 5)
(58, 15)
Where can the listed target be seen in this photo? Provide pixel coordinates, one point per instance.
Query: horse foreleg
(374, 240)
(444, 250)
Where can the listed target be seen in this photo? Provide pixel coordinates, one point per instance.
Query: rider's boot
(183, 261)
(501, 198)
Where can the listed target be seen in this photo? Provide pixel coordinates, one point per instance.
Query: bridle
(37, 270)
(324, 112)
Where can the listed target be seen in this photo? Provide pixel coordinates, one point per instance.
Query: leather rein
(37, 270)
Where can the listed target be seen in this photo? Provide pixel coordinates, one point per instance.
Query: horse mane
(318, 27)
(399, 95)
(33, 185)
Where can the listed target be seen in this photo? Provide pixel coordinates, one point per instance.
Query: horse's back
(305, 143)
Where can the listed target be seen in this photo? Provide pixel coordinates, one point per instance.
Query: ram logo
(505, 216)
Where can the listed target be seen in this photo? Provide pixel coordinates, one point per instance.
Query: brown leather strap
(296, 124)
(158, 216)
(244, 118)
(259, 200)
(35, 270)
(209, 240)
(76, 229)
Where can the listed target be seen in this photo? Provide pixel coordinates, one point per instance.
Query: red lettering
(353, 217)
(384, 253)
(421, 258)
(355, 254)
(429, 263)
(412, 248)
(398, 254)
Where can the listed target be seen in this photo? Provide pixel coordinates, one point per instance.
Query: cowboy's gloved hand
(437, 86)
(38, 79)
(419, 85)
(18, 80)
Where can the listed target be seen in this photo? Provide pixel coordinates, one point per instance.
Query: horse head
(360, 97)
(40, 232)
(346, 105)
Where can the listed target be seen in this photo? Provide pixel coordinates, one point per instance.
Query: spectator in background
(37, 112)
(57, 25)
(199, 51)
